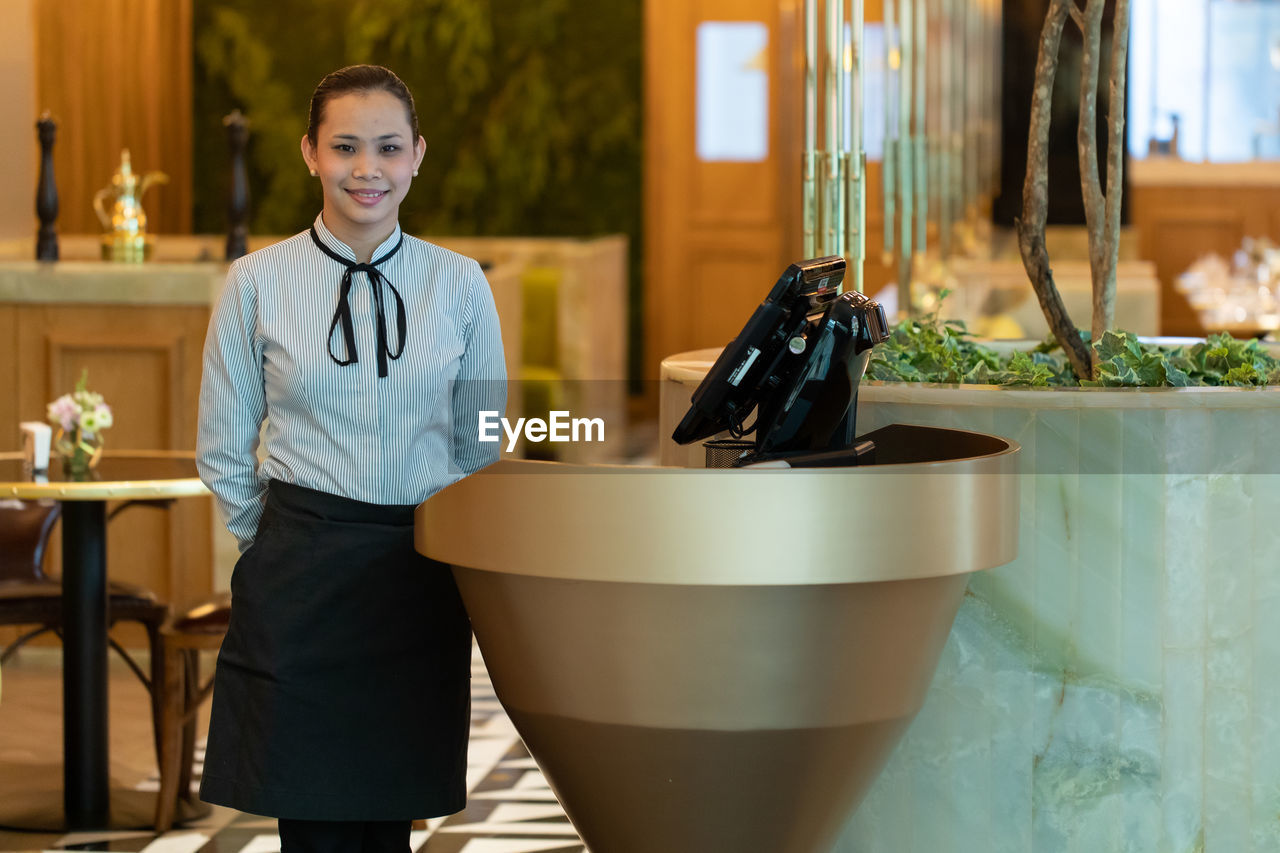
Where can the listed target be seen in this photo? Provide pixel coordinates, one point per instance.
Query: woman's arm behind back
(481, 385)
(232, 407)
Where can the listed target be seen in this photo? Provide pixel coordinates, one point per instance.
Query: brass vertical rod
(981, 175)
(921, 135)
(997, 94)
(833, 187)
(856, 173)
(959, 57)
(972, 89)
(962, 115)
(860, 268)
(906, 166)
(848, 227)
(809, 166)
(933, 110)
(984, 31)
(988, 136)
(888, 172)
(993, 97)
(944, 127)
(846, 223)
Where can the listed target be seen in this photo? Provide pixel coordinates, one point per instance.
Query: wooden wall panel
(9, 436)
(134, 370)
(718, 311)
(1177, 239)
(20, 164)
(117, 74)
(1178, 224)
(146, 362)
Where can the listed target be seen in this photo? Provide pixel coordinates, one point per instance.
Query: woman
(341, 700)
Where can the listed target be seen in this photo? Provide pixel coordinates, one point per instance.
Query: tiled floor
(510, 808)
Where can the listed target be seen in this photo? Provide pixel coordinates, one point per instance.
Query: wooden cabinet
(1183, 211)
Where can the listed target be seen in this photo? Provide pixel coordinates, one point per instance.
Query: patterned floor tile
(510, 807)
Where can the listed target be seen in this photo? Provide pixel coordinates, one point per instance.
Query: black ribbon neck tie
(343, 313)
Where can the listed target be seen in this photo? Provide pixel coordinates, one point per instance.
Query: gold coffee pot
(126, 238)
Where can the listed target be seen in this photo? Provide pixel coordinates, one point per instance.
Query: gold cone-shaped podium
(721, 660)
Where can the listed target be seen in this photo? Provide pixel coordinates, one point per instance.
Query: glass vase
(80, 453)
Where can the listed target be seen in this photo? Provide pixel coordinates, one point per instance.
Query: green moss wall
(531, 110)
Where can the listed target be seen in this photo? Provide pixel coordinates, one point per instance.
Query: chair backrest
(24, 533)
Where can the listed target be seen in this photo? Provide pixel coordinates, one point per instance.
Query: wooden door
(718, 230)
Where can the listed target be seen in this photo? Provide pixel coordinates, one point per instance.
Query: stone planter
(1117, 686)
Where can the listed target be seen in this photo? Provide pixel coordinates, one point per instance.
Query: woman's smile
(368, 198)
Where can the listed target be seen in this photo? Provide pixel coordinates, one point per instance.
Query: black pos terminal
(797, 364)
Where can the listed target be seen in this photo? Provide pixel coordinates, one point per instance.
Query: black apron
(343, 686)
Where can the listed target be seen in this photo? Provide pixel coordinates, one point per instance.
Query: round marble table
(133, 475)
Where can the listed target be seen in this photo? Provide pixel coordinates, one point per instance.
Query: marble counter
(98, 282)
(1117, 687)
(1171, 171)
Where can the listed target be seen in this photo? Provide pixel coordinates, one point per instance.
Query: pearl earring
(415, 173)
(314, 173)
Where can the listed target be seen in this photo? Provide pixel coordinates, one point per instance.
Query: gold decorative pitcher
(126, 238)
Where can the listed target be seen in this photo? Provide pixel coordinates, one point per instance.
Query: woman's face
(365, 157)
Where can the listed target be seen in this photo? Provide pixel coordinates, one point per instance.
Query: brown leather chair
(182, 638)
(29, 596)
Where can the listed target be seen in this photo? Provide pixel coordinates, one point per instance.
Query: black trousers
(344, 836)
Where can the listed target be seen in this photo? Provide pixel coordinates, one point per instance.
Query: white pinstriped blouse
(344, 430)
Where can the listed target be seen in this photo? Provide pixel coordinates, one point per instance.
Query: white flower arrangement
(81, 417)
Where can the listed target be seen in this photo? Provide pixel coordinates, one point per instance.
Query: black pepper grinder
(238, 198)
(46, 192)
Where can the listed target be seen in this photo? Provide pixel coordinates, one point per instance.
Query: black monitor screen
(804, 347)
(726, 397)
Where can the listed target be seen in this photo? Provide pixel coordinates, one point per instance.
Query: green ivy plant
(930, 349)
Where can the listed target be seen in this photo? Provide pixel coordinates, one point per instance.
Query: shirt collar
(326, 236)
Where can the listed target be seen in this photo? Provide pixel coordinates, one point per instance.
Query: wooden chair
(30, 596)
(182, 638)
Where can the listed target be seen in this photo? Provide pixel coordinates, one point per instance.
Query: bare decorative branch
(1087, 148)
(1035, 195)
(1077, 16)
(1087, 130)
(1104, 285)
